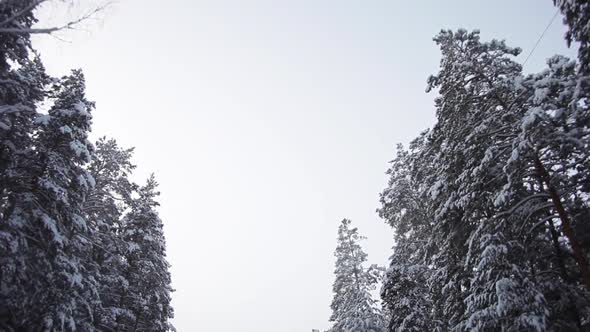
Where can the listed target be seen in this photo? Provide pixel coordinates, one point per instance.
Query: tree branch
(68, 26)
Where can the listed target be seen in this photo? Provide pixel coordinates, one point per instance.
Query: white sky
(266, 123)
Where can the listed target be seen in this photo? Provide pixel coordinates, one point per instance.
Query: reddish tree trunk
(565, 222)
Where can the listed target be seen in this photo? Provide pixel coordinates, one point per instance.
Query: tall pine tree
(148, 293)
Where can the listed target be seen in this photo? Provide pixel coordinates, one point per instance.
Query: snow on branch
(522, 202)
(7, 109)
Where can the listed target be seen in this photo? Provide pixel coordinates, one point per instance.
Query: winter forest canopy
(81, 246)
(488, 208)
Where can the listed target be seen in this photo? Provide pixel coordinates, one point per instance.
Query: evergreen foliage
(488, 206)
(353, 308)
(81, 246)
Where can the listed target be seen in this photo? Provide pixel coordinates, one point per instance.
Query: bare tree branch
(71, 25)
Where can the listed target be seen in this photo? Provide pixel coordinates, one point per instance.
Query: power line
(540, 37)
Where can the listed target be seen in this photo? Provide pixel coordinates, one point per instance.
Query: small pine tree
(353, 308)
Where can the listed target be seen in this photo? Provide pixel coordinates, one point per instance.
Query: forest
(489, 207)
(81, 245)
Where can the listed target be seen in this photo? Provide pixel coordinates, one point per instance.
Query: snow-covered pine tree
(482, 187)
(547, 184)
(353, 308)
(41, 252)
(58, 295)
(15, 47)
(63, 183)
(61, 237)
(149, 289)
(406, 208)
(474, 84)
(22, 87)
(501, 294)
(577, 16)
(104, 208)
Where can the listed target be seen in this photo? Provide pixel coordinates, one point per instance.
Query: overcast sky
(266, 123)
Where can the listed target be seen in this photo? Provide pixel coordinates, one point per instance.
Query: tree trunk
(558, 254)
(565, 221)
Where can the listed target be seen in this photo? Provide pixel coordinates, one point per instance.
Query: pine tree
(488, 205)
(57, 295)
(15, 47)
(353, 308)
(148, 293)
(63, 184)
(406, 208)
(24, 88)
(23, 85)
(68, 260)
(577, 16)
(547, 176)
(474, 84)
(104, 208)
